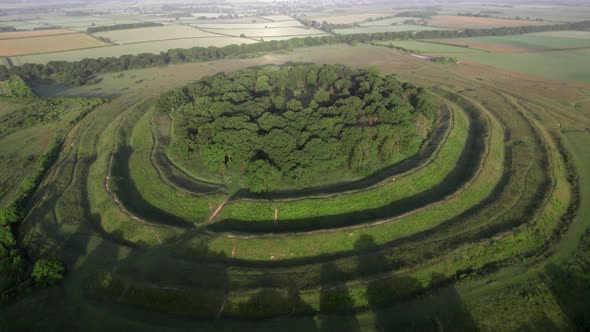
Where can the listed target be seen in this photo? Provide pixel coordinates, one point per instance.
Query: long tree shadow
(570, 285)
(336, 304)
(386, 294)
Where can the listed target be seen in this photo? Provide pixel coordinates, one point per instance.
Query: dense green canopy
(290, 123)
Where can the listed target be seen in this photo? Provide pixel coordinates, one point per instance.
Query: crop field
(153, 34)
(48, 44)
(345, 19)
(388, 21)
(430, 47)
(386, 28)
(277, 18)
(118, 50)
(28, 34)
(274, 32)
(465, 22)
(564, 34)
(558, 56)
(558, 65)
(246, 26)
(522, 43)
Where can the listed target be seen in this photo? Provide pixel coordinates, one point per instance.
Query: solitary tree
(47, 273)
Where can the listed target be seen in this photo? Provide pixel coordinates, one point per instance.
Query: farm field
(29, 34)
(556, 65)
(246, 26)
(118, 50)
(48, 44)
(366, 181)
(153, 34)
(274, 32)
(388, 21)
(277, 18)
(557, 56)
(344, 19)
(386, 28)
(521, 43)
(465, 22)
(430, 47)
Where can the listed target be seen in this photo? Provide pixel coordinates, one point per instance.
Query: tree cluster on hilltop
(292, 123)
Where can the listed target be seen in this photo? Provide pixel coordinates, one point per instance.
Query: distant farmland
(429, 47)
(346, 19)
(268, 25)
(521, 43)
(275, 32)
(468, 22)
(153, 34)
(47, 44)
(118, 50)
(37, 33)
(385, 28)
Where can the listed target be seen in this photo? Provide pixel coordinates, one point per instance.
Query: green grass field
(536, 42)
(558, 65)
(503, 248)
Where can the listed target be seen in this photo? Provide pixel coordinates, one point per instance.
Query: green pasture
(559, 65)
(534, 42)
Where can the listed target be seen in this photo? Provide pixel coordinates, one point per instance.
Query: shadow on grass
(126, 190)
(445, 312)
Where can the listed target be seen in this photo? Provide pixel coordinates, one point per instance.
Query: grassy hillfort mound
(353, 178)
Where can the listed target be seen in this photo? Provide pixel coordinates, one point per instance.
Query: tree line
(289, 124)
(123, 26)
(81, 72)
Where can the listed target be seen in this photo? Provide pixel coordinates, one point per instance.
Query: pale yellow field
(275, 32)
(277, 18)
(346, 19)
(152, 34)
(46, 44)
(38, 33)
